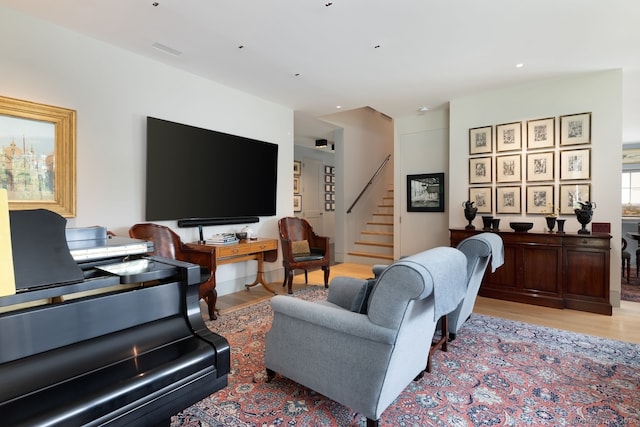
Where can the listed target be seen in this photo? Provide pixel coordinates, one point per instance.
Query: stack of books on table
(222, 239)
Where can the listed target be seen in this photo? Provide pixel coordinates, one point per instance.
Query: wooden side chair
(626, 259)
(167, 244)
(302, 249)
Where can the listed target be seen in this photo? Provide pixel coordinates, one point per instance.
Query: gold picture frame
(481, 196)
(575, 129)
(540, 166)
(575, 164)
(541, 133)
(480, 170)
(508, 200)
(509, 168)
(540, 199)
(481, 140)
(571, 194)
(509, 137)
(43, 138)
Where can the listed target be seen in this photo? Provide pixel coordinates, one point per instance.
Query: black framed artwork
(425, 192)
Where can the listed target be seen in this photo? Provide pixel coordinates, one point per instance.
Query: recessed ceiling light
(423, 109)
(520, 65)
(338, 106)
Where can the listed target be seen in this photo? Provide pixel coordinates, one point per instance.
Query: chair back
(165, 241)
(294, 229)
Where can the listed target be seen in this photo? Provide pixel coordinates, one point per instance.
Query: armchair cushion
(300, 248)
(351, 294)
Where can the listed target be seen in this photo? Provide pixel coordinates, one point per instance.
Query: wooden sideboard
(559, 270)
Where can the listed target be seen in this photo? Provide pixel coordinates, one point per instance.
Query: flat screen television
(195, 173)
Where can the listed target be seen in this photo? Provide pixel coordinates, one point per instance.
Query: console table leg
(260, 279)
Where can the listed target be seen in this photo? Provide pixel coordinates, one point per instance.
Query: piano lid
(40, 252)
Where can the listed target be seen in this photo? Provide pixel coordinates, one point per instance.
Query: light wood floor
(624, 325)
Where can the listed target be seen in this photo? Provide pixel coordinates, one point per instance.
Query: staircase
(376, 243)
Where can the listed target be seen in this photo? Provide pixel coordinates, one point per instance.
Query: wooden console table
(245, 250)
(559, 270)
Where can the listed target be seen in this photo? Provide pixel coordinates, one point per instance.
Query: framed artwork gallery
(545, 169)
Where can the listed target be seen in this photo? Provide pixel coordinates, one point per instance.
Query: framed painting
(575, 164)
(481, 196)
(425, 192)
(575, 129)
(541, 133)
(539, 199)
(540, 166)
(39, 156)
(509, 137)
(508, 200)
(508, 168)
(480, 170)
(297, 203)
(297, 167)
(296, 184)
(480, 140)
(571, 194)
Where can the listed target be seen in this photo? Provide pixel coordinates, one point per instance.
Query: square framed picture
(327, 179)
(509, 168)
(541, 133)
(508, 200)
(540, 166)
(327, 169)
(327, 188)
(480, 140)
(575, 129)
(296, 184)
(297, 167)
(480, 170)
(539, 199)
(327, 206)
(327, 197)
(575, 164)
(509, 137)
(425, 192)
(297, 203)
(571, 194)
(481, 196)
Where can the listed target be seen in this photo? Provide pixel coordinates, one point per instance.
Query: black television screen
(200, 173)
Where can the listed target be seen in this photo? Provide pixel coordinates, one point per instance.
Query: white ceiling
(394, 56)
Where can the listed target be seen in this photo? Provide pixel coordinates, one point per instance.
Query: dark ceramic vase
(551, 222)
(584, 215)
(486, 222)
(470, 214)
(560, 225)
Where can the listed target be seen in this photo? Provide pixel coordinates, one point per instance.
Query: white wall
(113, 91)
(599, 93)
(422, 147)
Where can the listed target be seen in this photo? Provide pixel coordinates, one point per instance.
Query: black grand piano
(99, 334)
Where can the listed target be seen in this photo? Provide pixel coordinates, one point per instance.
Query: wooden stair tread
(372, 255)
(379, 223)
(385, 206)
(378, 233)
(382, 214)
(383, 245)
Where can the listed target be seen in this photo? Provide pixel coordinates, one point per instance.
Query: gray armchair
(362, 352)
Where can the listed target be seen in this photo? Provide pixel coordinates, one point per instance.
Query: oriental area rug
(496, 373)
(630, 291)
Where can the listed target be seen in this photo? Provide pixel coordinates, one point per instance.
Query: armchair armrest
(336, 319)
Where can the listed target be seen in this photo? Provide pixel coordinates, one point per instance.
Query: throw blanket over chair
(302, 249)
(362, 353)
(478, 250)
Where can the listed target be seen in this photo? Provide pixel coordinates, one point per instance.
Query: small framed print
(327, 188)
(297, 167)
(508, 168)
(425, 192)
(541, 133)
(333, 188)
(297, 203)
(296, 184)
(480, 140)
(575, 164)
(481, 196)
(327, 169)
(508, 200)
(540, 166)
(327, 206)
(480, 170)
(539, 199)
(327, 197)
(327, 178)
(575, 129)
(509, 137)
(571, 194)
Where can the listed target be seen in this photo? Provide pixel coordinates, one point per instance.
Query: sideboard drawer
(586, 242)
(232, 250)
(264, 246)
